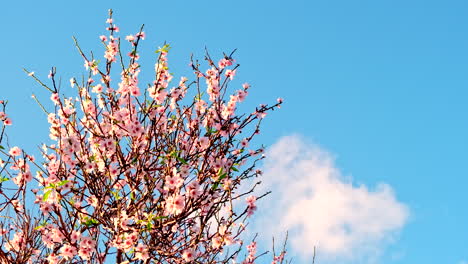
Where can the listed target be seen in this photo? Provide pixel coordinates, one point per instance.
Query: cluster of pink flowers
(251, 207)
(136, 174)
(4, 118)
(278, 259)
(16, 243)
(252, 250)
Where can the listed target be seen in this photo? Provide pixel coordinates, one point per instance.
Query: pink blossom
(204, 142)
(260, 114)
(85, 253)
(174, 182)
(15, 151)
(16, 204)
(75, 236)
(87, 242)
(97, 88)
(175, 204)
(230, 74)
(188, 255)
(224, 63)
(141, 35)
(55, 98)
(46, 208)
(120, 184)
(53, 258)
(251, 207)
(280, 101)
(241, 94)
(93, 201)
(141, 252)
(68, 251)
(245, 143)
(193, 189)
(17, 243)
(7, 122)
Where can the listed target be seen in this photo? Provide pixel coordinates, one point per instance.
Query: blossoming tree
(134, 175)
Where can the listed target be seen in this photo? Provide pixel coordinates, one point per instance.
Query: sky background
(374, 124)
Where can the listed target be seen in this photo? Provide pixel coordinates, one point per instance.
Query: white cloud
(322, 208)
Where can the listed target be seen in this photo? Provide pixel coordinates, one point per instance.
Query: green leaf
(165, 49)
(175, 155)
(116, 195)
(211, 130)
(62, 183)
(182, 160)
(51, 186)
(234, 169)
(2, 147)
(43, 223)
(90, 221)
(46, 195)
(149, 226)
(198, 97)
(222, 177)
(4, 179)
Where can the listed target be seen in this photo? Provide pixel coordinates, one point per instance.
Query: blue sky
(379, 85)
